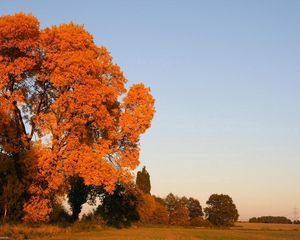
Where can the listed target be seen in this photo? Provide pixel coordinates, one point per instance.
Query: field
(242, 231)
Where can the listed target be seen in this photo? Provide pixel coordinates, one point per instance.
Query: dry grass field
(242, 231)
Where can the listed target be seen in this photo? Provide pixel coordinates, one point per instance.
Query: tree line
(273, 219)
(133, 202)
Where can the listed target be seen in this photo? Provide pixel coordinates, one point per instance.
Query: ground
(242, 231)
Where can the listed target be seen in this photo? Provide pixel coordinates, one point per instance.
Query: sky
(226, 79)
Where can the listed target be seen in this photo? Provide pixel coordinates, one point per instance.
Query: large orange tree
(65, 111)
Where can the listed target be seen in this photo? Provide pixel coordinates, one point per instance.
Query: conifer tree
(143, 181)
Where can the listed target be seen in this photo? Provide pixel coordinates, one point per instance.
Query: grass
(242, 231)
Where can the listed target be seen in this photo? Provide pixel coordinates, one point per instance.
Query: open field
(242, 231)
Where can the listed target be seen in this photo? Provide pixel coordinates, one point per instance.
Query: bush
(83, 226)
(30, 231)
(93, 218)
(200, 222)
(60, 215)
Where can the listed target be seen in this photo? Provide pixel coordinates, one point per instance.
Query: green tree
(120, 208)
(143, 181)
(221, 210)
(177, 209)
(171, 202)
(194, 207)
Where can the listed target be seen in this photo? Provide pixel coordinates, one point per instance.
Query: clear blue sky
(226, 78)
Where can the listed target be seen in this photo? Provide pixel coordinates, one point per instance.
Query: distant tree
(160, 200)
(221, 210)
(171, 201)
(77, 195)
(253, 220)
(143, 181)
(199, 222)
(270, 219)
(180, 216)
(120, 208)
(146, 207)
(194, 207)
(160, 215)
(151, 210)
(177, 209)
(184, 201)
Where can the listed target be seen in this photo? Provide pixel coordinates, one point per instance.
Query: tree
(171, 202)
(177, 209)
(221, 210)
(194, 207)
(143, 180)
(11, 191)
(160, 214)
(180, 216)
(61, 114)
(77, 195)
(146, 207)
(151, 210)
(120, 208)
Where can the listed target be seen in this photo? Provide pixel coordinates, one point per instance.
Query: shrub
(200, 222)
(60, 215)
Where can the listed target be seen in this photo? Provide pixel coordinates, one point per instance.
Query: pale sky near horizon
(226, 78)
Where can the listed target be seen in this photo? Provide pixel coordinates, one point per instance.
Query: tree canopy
(221, 210)
(120, 209)
(194, 207)
(143, 180)
(62, 115)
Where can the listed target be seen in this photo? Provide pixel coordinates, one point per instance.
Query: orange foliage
(180, 216)
(67, 89)
(37, 209)
(151, 211)
(146, 207)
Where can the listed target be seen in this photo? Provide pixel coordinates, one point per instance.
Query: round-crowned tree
(221, 210)
(120, 209)
(194, 207)
(65, 111)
